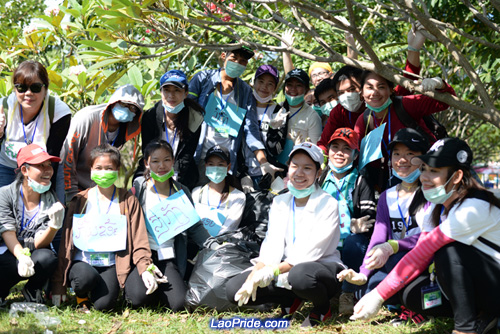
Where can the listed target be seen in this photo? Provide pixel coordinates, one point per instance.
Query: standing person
(265, 84)
(301, 121)
(114, 123)
(30, 115)
(170, 256)
(222, 190)
(299, 252)
(357, 205)
(98, 265)
(401, 216)
(31, 217)
(177, 120)
(229, 110)
(465, 243)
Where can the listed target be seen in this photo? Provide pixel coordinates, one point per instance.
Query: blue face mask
(327, 107)
(381, 108)
(174, 110)
(438, 194)
(38, 187)
(340, 170)
(216, 174)
(410, 178)
(122, 114)
(300, 193)
(234, 70)
(294, 100)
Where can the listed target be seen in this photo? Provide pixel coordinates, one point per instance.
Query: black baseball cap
(298, 74)
(447, 152)
(412, 138)
(245, 51)
(219, 151)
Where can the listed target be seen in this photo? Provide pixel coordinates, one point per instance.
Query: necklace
(408, 188)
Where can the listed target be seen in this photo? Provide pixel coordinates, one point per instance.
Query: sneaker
(289, 312)
(408, 315)
(346, 303)
(485, 324)
(33, 296)
(315, 318)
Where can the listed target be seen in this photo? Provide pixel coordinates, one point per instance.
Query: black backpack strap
(489, 243)
(52, 106)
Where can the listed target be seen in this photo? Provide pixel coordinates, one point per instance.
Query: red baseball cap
(34, 154)
(348, 135)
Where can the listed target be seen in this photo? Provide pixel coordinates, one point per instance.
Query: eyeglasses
(130, 107)
(34, 88)
(319, 74)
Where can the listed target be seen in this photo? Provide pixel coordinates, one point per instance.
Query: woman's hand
(379, 255)
(368, 306)
(352, 277)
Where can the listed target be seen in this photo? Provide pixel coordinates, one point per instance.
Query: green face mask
(162, 178)
(104, 178)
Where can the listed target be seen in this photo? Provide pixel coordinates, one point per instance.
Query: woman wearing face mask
(104, 245)
(357, 206)
(177, 120)
(465, 243)
(401, 215)
(114, 123)
(170, 256)
(302, 122)
(220, 202)
(31, 115)
(31, 217)
(298, 259)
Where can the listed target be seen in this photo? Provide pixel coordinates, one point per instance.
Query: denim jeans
(353, 253)
(7, 175)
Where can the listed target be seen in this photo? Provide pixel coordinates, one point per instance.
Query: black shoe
(486, 323)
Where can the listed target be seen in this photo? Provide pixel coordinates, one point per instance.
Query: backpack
(436, 128)
(52, 106)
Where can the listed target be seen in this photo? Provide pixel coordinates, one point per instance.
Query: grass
(148, 321)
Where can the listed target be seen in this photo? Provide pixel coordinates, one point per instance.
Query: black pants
(312, 281)
(471, 281)
(45, 262)
(171, 294)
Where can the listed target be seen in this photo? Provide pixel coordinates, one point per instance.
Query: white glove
(416, 38)
(282, 281)
(368, 306)
(269, 168)
(58, 299)
(247, 184)
(157, 274)
(25, 266)
(247, 289)
(288, 38)
(379, 255)
(149, 282)
(432, 84)
(279, 120)
(352, 277)
(361, 225)
(264, 276)
(56, 215)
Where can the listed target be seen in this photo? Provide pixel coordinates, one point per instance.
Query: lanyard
(27, 141)
(263, 115)
(220, 201)
(339, 188)
(442, 210)
(295, 113)
(169, 190)
(110, 202)
(23, 226)
(401, 214)
(166, 132)
(223, 104)
(293, 208)
(113, 142)
(377, 125)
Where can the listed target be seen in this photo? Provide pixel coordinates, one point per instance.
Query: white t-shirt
(410, 224)
(472, 219)
(304, 125)
(15, 132)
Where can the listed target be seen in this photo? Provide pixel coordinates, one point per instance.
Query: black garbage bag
(213, 268)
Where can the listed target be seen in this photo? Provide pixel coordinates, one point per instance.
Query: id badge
(99, 259)
(431, 296)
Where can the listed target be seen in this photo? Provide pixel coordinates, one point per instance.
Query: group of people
(412, 228)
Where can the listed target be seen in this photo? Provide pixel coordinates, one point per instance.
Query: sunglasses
(34, 88)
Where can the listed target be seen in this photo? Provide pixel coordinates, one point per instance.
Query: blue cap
(174, 77)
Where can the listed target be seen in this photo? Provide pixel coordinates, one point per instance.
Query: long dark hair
(181, 122)
(468, 187)
(148, 151)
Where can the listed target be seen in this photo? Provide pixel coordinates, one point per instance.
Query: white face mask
(262, 99)
(350, 101)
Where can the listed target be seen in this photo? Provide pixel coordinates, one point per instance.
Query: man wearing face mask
(114, 123)
(229, 110)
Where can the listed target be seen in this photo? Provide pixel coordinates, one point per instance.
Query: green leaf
(110, 80)
(104, 63)
(135, 76)
(192, 63)
(98, 45)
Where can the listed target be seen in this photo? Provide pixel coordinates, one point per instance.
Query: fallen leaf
(116, 327)
(126, 313)
(14, 322)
